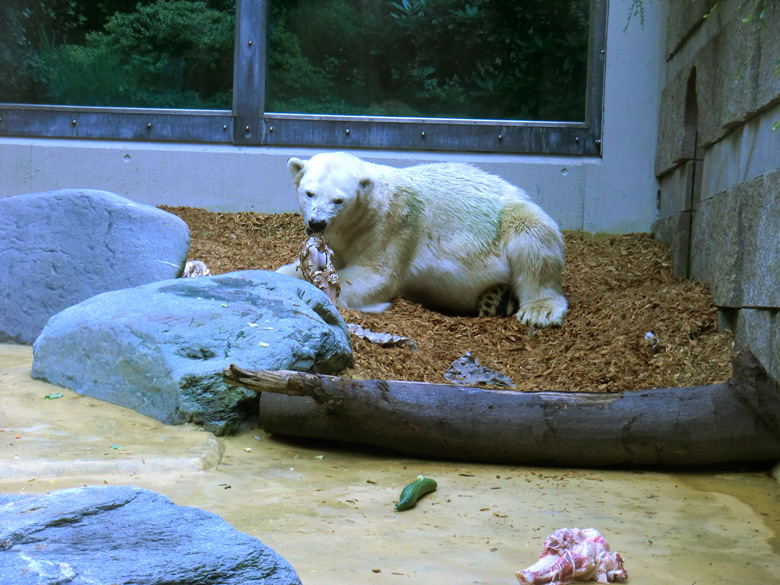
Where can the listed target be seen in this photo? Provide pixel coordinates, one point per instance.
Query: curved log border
(736, 421)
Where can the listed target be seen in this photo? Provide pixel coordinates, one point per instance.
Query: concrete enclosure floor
(329, 510)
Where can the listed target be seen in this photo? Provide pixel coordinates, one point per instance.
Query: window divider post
(249, 70)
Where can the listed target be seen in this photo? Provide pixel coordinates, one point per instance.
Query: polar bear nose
(317, 225)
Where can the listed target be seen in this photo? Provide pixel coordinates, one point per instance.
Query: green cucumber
(414, 491)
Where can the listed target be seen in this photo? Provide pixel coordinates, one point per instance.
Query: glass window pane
(474, 59)
(126, 53)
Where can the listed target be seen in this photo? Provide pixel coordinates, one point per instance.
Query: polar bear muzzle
(316, 226)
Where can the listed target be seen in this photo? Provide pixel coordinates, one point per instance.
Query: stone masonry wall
(718, 161)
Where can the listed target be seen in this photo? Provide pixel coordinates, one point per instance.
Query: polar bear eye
(309, 194)
(338, 201)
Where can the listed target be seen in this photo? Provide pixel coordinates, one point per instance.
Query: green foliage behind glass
(500, 59)
(168, 54)
(447, 58)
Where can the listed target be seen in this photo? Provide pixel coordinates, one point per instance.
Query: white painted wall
(614, 193)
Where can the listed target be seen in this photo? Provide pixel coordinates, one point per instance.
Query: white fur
(438, 234)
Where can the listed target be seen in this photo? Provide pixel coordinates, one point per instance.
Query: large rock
(759, 329)
(733, 59)
(675, 231)
(769, 80)
(683, 20)
(677, 126)
(60, 247)
(736, 244)
(123, 535)
(160, 348)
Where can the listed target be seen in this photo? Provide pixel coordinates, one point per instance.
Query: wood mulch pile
(619, 289)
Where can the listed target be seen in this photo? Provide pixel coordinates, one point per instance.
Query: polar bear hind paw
(543, 312)
(497, 300)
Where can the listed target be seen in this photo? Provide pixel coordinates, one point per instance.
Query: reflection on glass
(155, 54)
(493, 59)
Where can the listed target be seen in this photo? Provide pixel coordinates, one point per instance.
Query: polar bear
(443, 235)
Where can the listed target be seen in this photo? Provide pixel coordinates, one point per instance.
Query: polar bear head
(332, 187)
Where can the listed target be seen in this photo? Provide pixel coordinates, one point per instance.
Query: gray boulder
(160, 348)
(60, 247)
(122, 535)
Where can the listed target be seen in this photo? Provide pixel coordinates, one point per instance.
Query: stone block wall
(718, 161)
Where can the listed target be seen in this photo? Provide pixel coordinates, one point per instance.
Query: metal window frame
(248, 124)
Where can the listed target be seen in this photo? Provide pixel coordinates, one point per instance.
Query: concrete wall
(718, 162)
(613, 193)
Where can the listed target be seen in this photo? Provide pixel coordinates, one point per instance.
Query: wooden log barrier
(735, 421)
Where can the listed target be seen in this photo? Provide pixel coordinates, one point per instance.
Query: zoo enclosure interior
(158, 155)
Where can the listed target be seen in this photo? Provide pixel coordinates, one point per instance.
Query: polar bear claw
(542, 313)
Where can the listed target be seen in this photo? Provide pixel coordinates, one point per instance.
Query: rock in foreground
(123, 535)
(160, 348)
(61, 247)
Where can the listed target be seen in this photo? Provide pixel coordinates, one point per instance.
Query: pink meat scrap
(571, 554)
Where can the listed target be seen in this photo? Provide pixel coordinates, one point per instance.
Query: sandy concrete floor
(329, 510)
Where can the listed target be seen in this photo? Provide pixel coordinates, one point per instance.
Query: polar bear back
(457, 195)
(461, 231)
(463, 204)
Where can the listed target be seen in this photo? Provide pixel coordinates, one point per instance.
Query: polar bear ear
(366, 186)
(296, 167)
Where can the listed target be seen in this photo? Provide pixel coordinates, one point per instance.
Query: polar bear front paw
(543, 312)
